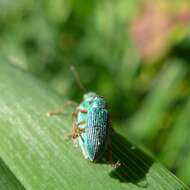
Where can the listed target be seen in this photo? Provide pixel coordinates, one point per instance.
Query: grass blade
(34, 150)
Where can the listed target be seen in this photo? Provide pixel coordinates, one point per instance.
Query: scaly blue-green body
(93, 140)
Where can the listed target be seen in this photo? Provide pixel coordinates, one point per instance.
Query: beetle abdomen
(96, 132)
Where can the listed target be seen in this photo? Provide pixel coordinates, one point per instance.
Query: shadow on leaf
(134, 163)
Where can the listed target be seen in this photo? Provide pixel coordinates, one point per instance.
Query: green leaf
(7, 180)
(34, 150)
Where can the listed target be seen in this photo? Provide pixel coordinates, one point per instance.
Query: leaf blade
(33, 148)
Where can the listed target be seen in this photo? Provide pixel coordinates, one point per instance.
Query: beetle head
(89, 96)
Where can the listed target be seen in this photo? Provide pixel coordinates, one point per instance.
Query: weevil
(91, 127)
(96, 132)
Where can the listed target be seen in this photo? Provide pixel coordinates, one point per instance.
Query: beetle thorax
(98, 102)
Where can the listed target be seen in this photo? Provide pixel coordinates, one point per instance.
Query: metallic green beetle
(93, 120)
(91, 125)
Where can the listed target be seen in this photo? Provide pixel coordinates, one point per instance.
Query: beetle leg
(74, 116)
(62, 109)
(81, 123)
(110, 156)
(116, 164)
(76, 131)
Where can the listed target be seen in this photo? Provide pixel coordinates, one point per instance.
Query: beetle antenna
(77, 78)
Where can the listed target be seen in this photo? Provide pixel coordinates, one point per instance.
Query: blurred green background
(134, 53)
